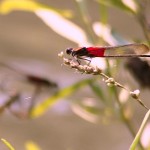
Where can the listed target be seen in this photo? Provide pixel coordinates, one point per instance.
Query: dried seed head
(97, 71)
(88, 69)
(61, 54)
(73, 65)
(110, 80)
(66, 61)
(135, 94)
(81, 68)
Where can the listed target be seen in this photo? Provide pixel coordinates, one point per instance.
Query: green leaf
(90, 110)
(31, 146)
(41, 108)
(6, 6)
(85, 17)
(138, 135)
(63, 26)
(7, 144)
(52, 17)
(104, 31)
(87, 112)
(119, 4)
(104, 14)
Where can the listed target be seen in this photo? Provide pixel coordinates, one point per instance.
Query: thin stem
(103, 13)
(144, 28)
(125, 120)
(121, 110)
(123, 117)
(142, 20)
(82, 7)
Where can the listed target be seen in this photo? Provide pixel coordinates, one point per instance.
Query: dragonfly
(127, 50)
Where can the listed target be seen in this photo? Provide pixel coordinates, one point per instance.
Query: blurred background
(31, 72)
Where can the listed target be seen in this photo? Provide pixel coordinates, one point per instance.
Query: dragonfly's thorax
(80, 52)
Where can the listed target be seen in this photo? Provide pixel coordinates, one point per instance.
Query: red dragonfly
(128, 50)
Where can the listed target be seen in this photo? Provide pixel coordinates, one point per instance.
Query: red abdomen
(96, 51)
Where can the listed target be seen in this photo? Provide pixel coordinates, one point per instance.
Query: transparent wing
(127, 50)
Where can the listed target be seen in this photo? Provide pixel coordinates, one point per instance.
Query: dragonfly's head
(69, 51)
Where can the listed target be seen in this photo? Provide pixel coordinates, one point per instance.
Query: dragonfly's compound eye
(69, 50)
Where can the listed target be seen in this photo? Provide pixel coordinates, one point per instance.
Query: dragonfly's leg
(77, 60)
(89, 60)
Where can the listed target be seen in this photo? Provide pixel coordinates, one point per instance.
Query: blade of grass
(85, 17)
(104, 14)
(116, 3)
(6, 6)
(7, 144)
(66, 29)
(138, 135)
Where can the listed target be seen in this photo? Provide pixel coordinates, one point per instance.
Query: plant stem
(82, 7)
(126, 121)
(121, 110)
(143, 21)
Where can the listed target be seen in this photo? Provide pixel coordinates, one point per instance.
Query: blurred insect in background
(20, 91)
